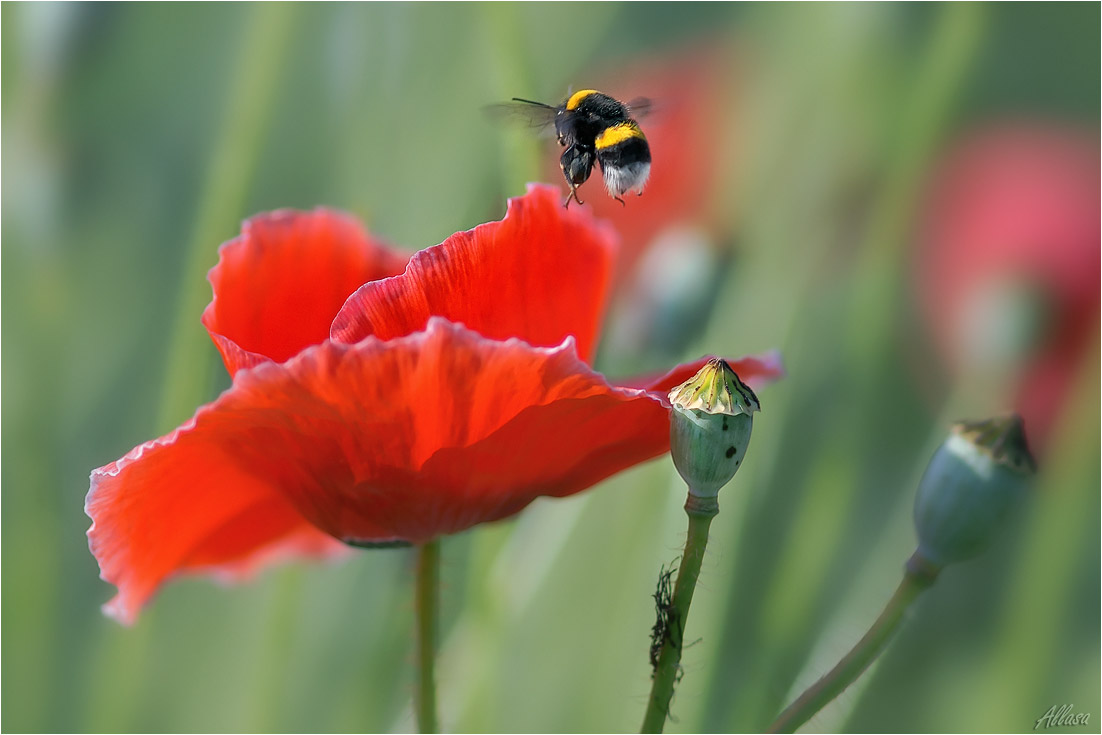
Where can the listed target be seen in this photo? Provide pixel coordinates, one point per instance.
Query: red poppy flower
(1009, 257)
(450, 395)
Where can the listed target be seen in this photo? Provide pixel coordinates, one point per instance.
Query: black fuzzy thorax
(586, 121)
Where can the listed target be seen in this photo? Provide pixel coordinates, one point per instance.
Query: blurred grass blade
(249, 101)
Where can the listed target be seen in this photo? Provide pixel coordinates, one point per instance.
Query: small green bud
(710, 425)
(973, 481)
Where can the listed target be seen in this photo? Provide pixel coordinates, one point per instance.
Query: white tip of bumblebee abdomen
(619, 180)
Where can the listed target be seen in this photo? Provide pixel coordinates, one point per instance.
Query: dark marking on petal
(731, 452)
(393, 544)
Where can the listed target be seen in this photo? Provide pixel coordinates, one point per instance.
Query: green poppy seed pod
(973, 481)
(710, 424)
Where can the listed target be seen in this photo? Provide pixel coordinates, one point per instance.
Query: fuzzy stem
(918, 576)
(427, 603)
(701, 511)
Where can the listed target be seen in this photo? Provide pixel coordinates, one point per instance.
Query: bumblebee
(595, 128)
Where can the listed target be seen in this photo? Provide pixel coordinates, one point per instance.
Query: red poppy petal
(540, 274)
(757, 371)
(279, 284)
(461, 430)
(182, 504)
(407, 439)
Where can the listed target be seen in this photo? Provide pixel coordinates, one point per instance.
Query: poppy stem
(667, 672)
(428, 604)
(853, 664)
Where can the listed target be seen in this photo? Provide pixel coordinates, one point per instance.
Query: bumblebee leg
(572, 195)
(577, 163)
(622, 202)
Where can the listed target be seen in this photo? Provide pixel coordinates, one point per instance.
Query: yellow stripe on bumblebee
(577, 97)
(610, 136)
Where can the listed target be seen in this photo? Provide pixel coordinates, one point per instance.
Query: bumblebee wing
(640, 107)
(533, 114)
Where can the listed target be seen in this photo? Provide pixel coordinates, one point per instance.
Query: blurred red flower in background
(689, 129)
(431, 401)
(677, 236)
(1008, 260)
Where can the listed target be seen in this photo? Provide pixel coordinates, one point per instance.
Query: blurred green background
(136, 137)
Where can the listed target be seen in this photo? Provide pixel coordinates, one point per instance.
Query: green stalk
(926, 111)
(701, 511)
(427, 604)
(511, 71)
(916, 578)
